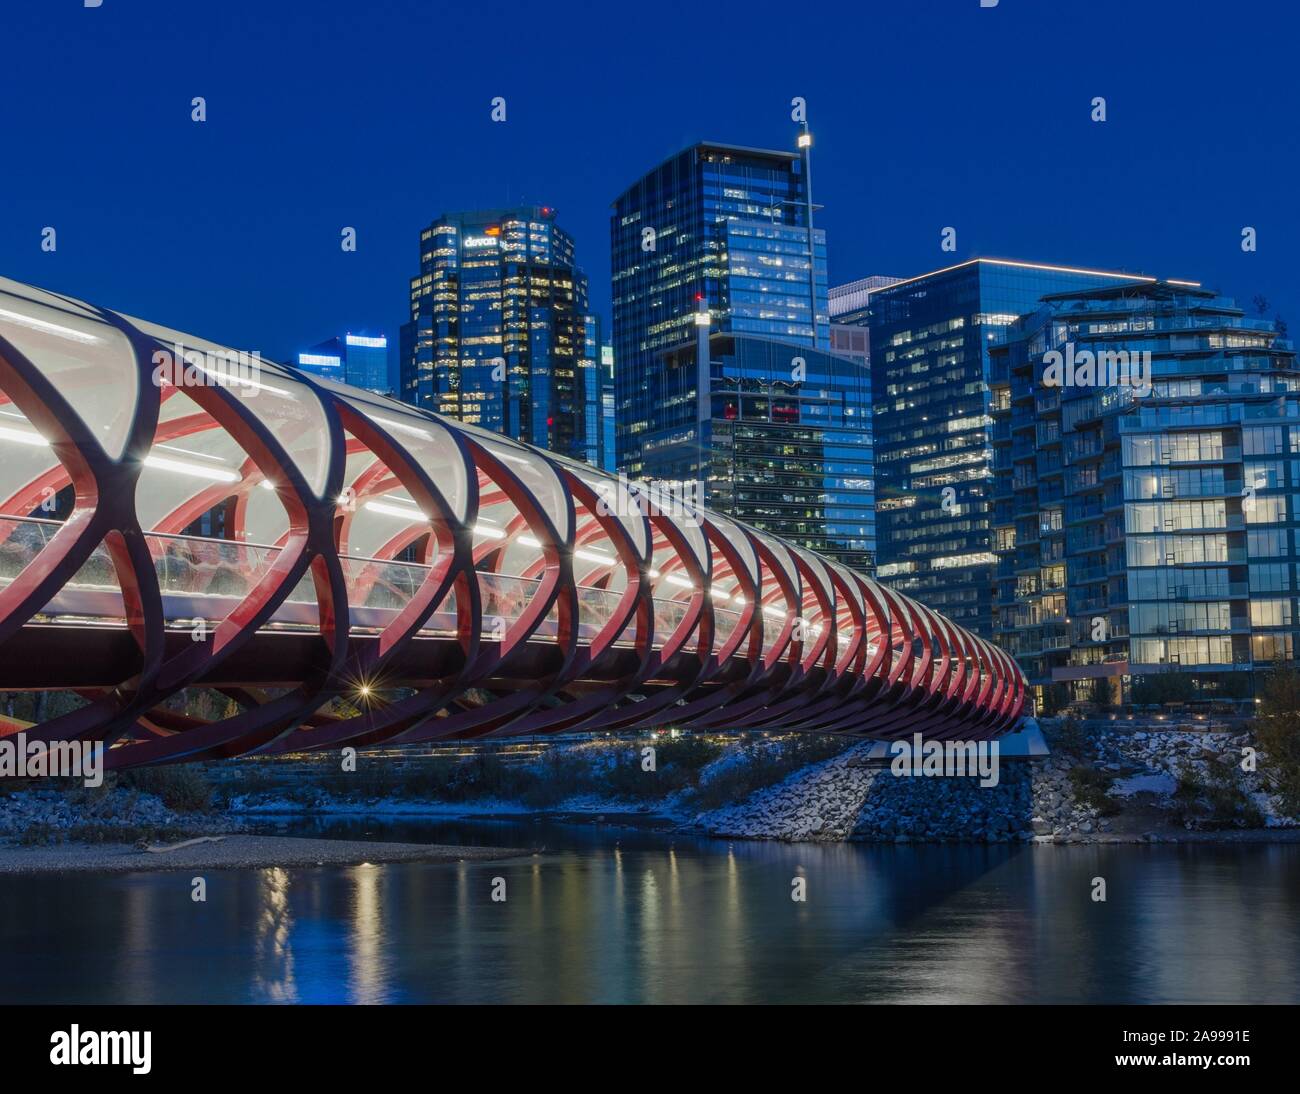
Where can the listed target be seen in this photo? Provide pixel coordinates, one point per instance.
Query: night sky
(375, 115)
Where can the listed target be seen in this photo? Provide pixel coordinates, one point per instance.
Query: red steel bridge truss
(183, 528)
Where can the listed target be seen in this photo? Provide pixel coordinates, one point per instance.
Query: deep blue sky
(927, 113)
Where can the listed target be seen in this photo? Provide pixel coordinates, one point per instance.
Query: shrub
(678, 764)
(1215, 800)
(181, 787)
(1069, 738)
(41, 835)
(1090, 787)
(766, 763)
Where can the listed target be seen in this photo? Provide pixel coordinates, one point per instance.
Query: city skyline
(274, 275)
(690, 504)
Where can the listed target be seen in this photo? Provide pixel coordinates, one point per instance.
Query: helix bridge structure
(204, 554)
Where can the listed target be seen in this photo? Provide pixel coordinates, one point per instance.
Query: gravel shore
(233, 853)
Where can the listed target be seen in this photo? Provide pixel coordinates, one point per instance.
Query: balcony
(1232, 590)
(1083, 575)
(1089, 510)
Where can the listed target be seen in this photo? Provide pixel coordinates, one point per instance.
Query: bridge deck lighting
(180, 467)
(396, 508)
(23, 436)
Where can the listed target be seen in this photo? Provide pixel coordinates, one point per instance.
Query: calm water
(616, 916)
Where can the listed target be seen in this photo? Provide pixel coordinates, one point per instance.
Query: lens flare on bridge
(204, 554)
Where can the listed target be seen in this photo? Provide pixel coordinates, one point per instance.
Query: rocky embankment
(52, 816)
(821, 802)
(1157, 784)
(1119, 784)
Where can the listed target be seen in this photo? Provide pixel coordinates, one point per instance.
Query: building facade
(929, 338)
(721, 336)
(1147, 462)
(717, 229)
(791, 457)
(500, 333)
(357, 359)
(848, 305)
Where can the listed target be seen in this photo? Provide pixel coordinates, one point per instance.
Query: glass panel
(425, 438)
(91, 363)
(286, 406)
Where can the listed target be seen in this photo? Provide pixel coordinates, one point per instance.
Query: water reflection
(618, 917)
(272, 941)
(366, 957)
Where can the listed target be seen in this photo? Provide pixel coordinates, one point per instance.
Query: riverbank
(235, 852)
(1129, 784)
(1132, 784)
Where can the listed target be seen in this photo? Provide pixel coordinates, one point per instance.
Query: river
(616, 915)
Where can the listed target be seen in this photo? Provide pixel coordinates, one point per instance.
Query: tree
(1277, 731)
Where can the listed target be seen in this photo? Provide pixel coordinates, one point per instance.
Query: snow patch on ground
(1161, 784)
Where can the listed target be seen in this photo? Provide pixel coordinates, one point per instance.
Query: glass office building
(1145, 511)
(929, 338)
(357, 359)
(500, 333)
(721, 337)
(717, 228)
(789, 457)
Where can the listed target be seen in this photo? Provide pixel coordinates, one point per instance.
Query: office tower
(930, 397)
(357, 359)
(1146, 445)
(848, 312)
(500, 333)
(721, 337)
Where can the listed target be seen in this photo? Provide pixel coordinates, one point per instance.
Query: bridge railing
(203, 578)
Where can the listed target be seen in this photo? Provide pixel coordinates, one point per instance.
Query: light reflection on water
(623, 916)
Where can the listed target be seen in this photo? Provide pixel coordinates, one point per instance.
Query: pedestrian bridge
(206, 554)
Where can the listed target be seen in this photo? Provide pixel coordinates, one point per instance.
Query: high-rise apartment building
(931, 415)
(1147, 440)
(500, 333)
(721, 333)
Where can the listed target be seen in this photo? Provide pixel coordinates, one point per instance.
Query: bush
(181, 787)
(43, 835)
(1090, 787)
(765, 764)
(1069, 738)
(678, 763)
(1215, 800)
